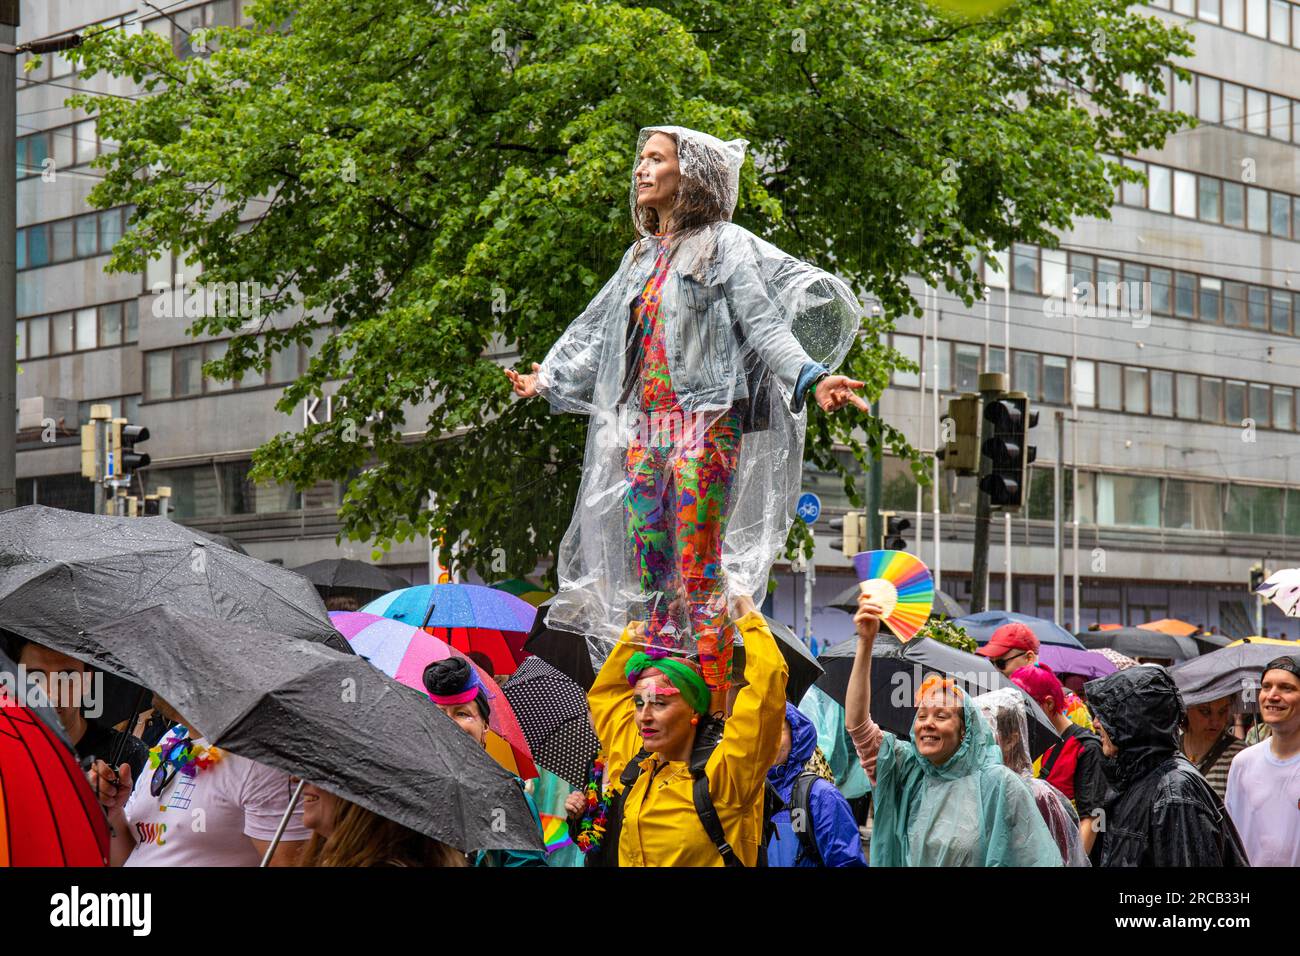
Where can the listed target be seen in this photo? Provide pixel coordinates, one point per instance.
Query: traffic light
(1257, 577)
(853, 533)
(895, 528)
(125, 459)
(151, 506)
(961, 450)
(1009, 419)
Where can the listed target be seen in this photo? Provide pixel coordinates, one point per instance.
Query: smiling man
(1264, 780)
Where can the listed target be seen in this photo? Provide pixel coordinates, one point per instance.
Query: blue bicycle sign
(809, 507)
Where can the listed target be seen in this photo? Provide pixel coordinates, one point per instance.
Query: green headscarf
(679, 673)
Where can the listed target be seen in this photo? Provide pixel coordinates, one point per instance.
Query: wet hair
(342, 602)
(454, 676)
(698, 203)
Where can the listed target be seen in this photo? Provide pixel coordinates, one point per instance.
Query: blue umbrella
(982, 625)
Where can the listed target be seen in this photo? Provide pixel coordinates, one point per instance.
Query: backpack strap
(1045, 768)
(800, 799)
(608, 853)
(707, 738)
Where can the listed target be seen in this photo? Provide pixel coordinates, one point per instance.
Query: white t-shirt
(207, 819)
(1264, 802)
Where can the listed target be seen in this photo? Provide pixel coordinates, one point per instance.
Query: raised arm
(610, 700)
(752, 738)
(857, 702)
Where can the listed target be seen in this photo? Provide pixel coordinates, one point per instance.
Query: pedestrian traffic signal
(895, 528)
(125, 437)
(853, 533)
(961, 450)
(1257, 577)
(1008, 419)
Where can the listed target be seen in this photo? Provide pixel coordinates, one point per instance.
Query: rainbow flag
(555, 832)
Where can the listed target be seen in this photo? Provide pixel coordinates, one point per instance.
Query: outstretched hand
(835, 391)
(525, 386)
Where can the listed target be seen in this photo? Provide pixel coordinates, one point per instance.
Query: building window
(1024, 378)
(967, 367)
(1135, 390)
(1283, 406)
(1184, 295)
(1085, 383)
(1234, 205)
(1208, 198)
(1024, 271)
(1211, 400)
(1281, 312)
(1185, 396)
(1256, 209)
(1208, 99)
(1110, 387)
(1161, 292)
(1211, 290)
(1257, 308)
(1280, 215)
(910, 347)
(1234, 402)
(1162, 393)
(1159, 187)
(1128, 500)
(1055, 372)
(1234, 304)
(1261, 405)
(1184, 194)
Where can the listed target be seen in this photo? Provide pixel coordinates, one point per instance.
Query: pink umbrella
(403, 651)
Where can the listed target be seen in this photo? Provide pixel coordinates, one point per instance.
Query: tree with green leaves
(440, 183)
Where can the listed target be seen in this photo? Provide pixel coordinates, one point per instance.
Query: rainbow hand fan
(903, 586)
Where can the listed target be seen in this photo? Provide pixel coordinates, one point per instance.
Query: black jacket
(1162, 811)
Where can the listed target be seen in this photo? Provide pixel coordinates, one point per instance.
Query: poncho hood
(803, 741)
(1142, 711)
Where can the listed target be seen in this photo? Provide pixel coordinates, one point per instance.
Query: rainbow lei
(188, 760)
(591, 831)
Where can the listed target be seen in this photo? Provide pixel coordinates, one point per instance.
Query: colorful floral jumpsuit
(680, 470)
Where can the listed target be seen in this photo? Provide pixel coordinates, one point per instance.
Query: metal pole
(1008, 592)
(433, 548)
(809, 579)
(920, 438)
(1074, 450)
(8, 256)
(1058, 532)
(937, 567)
(284, 822)
(875, 492)
(992, 384)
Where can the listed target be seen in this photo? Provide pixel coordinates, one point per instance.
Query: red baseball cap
(1011, 636)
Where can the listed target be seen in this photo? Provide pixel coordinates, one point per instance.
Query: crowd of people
(1132, 778)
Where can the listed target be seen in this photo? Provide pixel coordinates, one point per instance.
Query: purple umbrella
(1068, 660)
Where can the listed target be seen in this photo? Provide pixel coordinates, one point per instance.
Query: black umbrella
(64, 572)
(328, 717)
(944, 604)
(343, 575)
(225, 540)
(552, 712)
(1140, 643)
(1229, 670)
(563, 650)
(804, 668)
(897, 671)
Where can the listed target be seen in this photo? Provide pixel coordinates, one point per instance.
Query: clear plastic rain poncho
(969, 811)
(694, 453)
(1004, 709)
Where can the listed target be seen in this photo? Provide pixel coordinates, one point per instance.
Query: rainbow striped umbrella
(403, 652)
(903, 586)
(484, 623)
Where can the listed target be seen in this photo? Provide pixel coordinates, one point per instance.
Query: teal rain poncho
(970, 811)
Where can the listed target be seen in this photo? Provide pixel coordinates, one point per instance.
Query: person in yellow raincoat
(662, 713)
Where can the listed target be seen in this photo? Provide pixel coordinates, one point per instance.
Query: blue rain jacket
(834, 829)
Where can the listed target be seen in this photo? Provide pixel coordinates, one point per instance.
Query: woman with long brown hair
(346, 834)
(695, 361)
